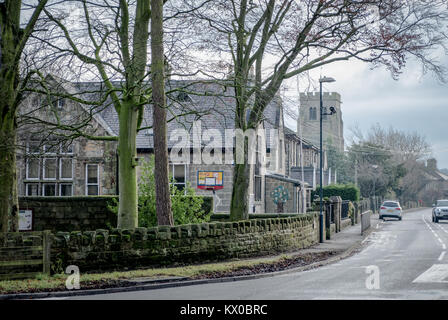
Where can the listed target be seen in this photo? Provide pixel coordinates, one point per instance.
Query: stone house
(435, 184)
(303, 162)
(51, 165)
(201, 121)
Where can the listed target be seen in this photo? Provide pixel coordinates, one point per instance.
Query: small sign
(210, 180)
(25, 220)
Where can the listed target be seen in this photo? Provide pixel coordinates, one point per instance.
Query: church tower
(332, 126)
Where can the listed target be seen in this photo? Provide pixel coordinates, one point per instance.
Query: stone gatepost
(337, 209)
(327, 219)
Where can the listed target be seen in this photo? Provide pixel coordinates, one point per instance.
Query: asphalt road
(399, 260)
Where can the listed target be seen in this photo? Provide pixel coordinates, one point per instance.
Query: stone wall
(164, 245)
(69, 213)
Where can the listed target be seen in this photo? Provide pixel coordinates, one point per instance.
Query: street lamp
(374, 166)
(332, 111)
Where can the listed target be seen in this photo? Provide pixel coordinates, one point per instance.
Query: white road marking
(437, 273)
(442, 255)
(434, 233)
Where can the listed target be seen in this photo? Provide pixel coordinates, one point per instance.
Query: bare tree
(105, 44)
(106, 41)
(163, 201)
(14, 37)
(282, 39)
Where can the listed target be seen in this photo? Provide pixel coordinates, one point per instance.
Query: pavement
(348, 243)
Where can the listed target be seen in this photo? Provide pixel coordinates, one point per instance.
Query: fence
(365, 221)
(24, 255)
(345, 205)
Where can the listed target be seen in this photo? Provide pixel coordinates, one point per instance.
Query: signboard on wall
(26, 220)
(210, 180)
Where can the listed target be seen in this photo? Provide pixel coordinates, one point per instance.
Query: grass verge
(44, 283)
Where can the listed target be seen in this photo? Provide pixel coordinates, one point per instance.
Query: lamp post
(321, 192)
(374, 166)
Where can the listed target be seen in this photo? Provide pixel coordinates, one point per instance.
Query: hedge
(345, 191)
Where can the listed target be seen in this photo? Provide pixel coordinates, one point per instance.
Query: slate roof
(293, 135)
(207, 101)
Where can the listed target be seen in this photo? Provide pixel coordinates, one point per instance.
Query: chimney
(431, 164)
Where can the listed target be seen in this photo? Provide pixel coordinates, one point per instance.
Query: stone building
(434, 184)
(332, 126)
(303, 162)
(51, 166)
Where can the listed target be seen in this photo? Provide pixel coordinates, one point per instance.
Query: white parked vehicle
(391, 209)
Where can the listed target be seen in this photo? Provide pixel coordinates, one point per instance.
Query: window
(59, 103)
(50, 168)
(280, 156)
(257, 171)
(66, 148)
(32, 189)
(313, 113)
(65, 189)
(57, 167)
(178, 172)
(51, 147)
(183, 97)
(32, 169)
(66, 169)
(92, 180)
(49, 189)
(33, 147)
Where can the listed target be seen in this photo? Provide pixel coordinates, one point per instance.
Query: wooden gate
(24, 255)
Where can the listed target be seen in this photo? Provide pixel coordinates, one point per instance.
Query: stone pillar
(327, 219)
(337, 209)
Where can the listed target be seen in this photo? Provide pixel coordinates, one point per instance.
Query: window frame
(60, 169)
(87, 184)
(257, 170)
(43, 169)
(28, 147)
(55, 189)
(60, 189)
(172, 165)
(61, 151)
(26, 189)
(27, 169)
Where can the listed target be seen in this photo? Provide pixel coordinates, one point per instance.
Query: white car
(390, 209)
(440, 211)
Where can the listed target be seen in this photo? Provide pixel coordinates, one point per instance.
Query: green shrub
(186, 206)
(345, 191)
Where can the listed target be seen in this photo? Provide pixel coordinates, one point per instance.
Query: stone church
(332, 126)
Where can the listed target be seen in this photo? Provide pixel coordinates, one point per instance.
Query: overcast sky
(415, 102)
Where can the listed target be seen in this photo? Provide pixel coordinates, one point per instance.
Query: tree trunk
(238, 205)
(163, 201)
(127, 166)
(9, 202)
(241, 179)
(9, 83)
